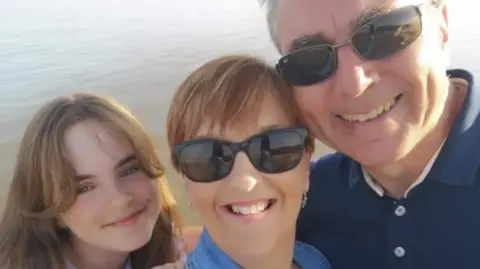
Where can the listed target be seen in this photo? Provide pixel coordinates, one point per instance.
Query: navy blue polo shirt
(436, 226)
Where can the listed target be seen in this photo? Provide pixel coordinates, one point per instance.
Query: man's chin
(375, 155)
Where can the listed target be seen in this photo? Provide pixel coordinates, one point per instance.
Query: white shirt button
(400, 210)
(399, 252)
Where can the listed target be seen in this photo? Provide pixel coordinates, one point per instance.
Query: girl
(87, 192)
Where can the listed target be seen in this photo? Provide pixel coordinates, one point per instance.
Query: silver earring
(304, 196)
(304, 200)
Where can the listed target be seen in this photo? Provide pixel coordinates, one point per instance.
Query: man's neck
(397, 178)
(280, 257)
(84, 256)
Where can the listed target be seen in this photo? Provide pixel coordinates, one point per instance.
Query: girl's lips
(127, 219)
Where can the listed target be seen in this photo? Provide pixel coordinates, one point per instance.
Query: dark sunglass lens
(308, 66)
(277, 151)
(388, 34)
(205, 161)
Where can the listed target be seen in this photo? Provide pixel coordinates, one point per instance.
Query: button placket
(400, 210)
(399, 227)
(399, 252)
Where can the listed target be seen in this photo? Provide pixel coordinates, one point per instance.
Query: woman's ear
(60, 223)
(310, 150)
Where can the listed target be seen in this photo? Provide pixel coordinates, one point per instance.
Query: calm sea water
(137, 51)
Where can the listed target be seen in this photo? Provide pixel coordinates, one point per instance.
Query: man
(371, 79)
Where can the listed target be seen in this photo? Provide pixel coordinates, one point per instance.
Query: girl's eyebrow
(125, 160)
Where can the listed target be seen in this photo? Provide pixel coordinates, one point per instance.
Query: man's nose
(353, 76)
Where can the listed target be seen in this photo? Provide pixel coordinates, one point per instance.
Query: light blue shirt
(207, 255)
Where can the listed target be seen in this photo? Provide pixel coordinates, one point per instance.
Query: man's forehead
(320, 21)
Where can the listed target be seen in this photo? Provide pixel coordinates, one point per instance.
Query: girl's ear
(60, 223)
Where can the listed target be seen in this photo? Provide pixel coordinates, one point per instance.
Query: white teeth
(370, 115)
(250, 209)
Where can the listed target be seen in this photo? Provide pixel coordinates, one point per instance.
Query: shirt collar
(379, 189)
(456, 163)
(207, 253)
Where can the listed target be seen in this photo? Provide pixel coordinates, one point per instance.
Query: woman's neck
(84, 256)
(280, 257)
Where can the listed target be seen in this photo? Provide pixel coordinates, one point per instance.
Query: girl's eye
(85, 188)
(130, 171)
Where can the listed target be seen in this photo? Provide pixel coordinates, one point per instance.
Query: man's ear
(444, 23)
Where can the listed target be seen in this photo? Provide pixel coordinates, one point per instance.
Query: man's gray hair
(272, 6)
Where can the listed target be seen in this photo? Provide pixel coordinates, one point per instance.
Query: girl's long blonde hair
(44, 186)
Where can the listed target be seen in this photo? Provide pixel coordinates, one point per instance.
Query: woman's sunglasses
(378, 39)
(275, 151)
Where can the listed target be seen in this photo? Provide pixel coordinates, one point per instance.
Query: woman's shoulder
(190, 235)
(308, 255)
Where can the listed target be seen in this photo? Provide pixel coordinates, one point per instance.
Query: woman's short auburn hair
(225, 92)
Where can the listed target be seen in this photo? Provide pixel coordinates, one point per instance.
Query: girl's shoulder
(180, 264)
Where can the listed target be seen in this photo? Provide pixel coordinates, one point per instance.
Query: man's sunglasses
(378, 39)
(275, 151)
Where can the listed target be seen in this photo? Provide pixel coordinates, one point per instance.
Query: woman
(87, 192)
(236, 137)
